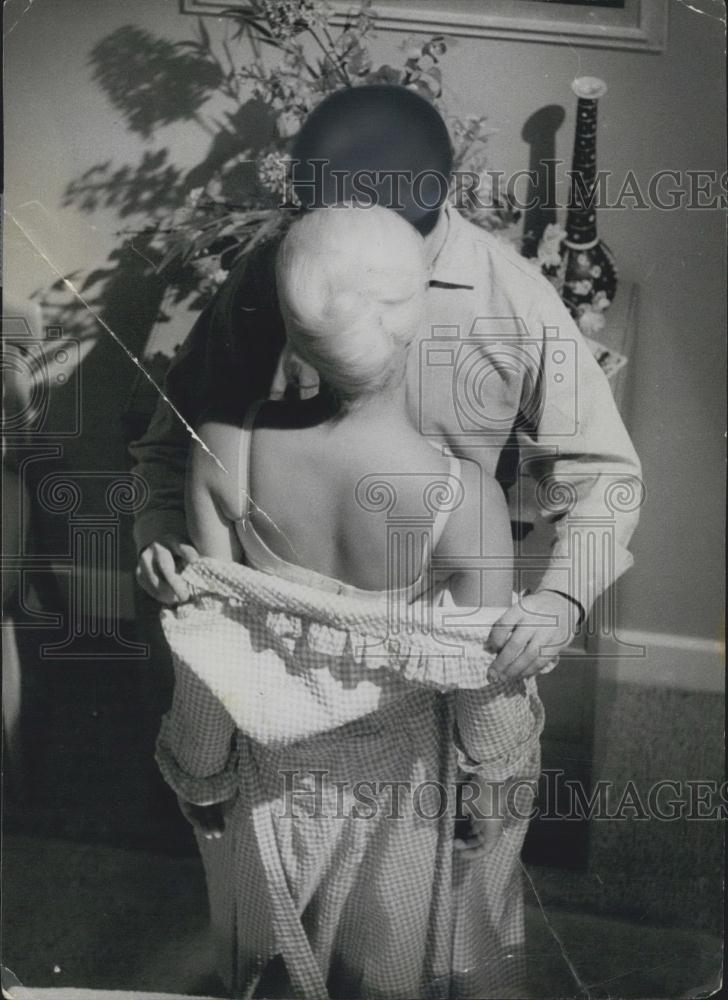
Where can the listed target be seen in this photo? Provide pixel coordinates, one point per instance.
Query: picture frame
(639, 25)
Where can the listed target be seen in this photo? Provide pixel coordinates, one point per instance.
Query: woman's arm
(480, 527)
(211, 501)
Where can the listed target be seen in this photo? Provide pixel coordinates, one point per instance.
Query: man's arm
(160, 530)
(160, 456)
(227, 361)
(587, 474)
(588, 484)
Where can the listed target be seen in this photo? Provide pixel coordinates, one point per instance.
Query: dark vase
(590, 274)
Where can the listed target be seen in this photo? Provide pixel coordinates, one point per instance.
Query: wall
(662, 111)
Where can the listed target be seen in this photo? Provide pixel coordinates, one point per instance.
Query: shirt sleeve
(585, 475)
(160, 456)
(227, 361)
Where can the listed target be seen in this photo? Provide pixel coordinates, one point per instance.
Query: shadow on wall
(539, 132)
(67, 440)
(153, 83)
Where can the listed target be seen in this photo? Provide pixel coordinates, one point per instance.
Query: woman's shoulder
(214, 459)
(223, 441)
(223, 427)
(217, 438)
(480, 506)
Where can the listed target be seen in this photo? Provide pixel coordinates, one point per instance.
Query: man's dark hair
(380, 143)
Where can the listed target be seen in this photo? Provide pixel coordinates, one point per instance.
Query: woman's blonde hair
(351, 282)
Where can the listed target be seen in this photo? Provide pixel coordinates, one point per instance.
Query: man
(501, 361)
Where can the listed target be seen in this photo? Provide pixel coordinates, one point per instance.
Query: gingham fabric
(332, 731)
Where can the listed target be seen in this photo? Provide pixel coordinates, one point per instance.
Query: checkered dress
(334, 731)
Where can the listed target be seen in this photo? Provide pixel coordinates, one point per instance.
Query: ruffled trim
(422, 644)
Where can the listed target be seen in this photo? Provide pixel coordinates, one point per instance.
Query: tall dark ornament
(590, 278)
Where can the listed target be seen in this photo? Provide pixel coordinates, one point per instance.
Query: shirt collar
(453, 266)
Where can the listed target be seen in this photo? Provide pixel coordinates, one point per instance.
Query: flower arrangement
(314, 60)
(209, 233)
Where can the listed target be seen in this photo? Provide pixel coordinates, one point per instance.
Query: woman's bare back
(322, 492)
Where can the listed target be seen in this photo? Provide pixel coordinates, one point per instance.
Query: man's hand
(159, 567)
(532, 633)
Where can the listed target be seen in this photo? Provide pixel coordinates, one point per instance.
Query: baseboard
(661, 659)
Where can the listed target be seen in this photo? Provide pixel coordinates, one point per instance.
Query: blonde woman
(318, 803)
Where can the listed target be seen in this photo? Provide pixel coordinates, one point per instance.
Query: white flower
(194, 196)
(595, 271)
(591, 322)
(272, 172)
(549, 247)
(553, 234)
(581, 287)
(288, 123)
(548, 259)
(207, 265)
(213, 189)
(600, 301)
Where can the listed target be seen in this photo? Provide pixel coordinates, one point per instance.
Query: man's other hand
(531, 634)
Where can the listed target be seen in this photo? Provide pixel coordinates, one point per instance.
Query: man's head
(383, 144)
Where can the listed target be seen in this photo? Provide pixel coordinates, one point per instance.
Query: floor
(103, 888)
(97, 916)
